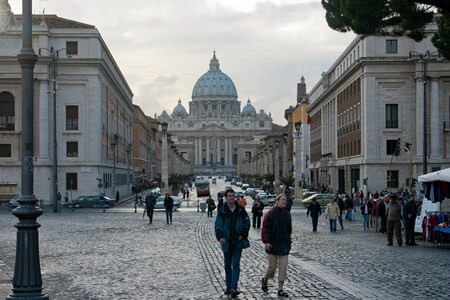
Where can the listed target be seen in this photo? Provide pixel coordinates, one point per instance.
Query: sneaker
(234, 293)
(227, 292)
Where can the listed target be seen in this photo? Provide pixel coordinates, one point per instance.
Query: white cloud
(164, 46)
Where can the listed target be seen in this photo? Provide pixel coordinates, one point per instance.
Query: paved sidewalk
(6, 275)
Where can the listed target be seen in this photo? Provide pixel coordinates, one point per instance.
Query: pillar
(218, 150)
(44, 120)
(207, 150)
(435, 123)
(226, 152)
(419, 117)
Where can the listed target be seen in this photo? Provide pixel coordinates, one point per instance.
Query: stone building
(93, 109)
(208, 136)
(370, 97)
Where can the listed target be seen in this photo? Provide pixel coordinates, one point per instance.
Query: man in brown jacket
(394, 214)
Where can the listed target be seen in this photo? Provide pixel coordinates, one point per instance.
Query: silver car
(160, 202)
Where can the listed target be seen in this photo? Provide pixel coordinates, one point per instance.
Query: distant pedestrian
(150, 202)
(382, 206)
(289, 200)
(410, 213)
(332, 214)
(183, 190)
(211, 206)
(117, 197)
(374, 215)
(341, 206)
(58, 197)
(66, 197)
(366, 208)
(349, 208)
(168, 205)
(315, 211)
(219, 203)
(257, 212)
(187, 194)
(231, 227)
(276, 236)
(393, 213)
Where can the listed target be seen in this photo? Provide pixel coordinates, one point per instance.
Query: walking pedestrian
(315, 211)
(168, 205)
(374, 214)
(365, 211)
(341, 206)
(276, 236)
(257, 212)
(231, 227)
(348, 207)
(382, 213)
(332, 214)
(150, 202)
(410, 213)
(289, 200)
(219, 202)
(117, 197)
(211, 206)
(393, 213)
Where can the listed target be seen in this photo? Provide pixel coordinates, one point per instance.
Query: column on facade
(207, 151)
(226, 151)
(285, 159)
(196, 150)
(218, 150)
(434, 118)
(230, 151)
(200, 151)
(419, 117)
(43, 120)
(277, 164)
(271, 161)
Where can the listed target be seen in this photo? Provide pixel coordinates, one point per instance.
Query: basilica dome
(214, 83)
(249, 109)
(179, 109)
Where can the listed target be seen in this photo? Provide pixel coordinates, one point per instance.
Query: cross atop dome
(214, 63)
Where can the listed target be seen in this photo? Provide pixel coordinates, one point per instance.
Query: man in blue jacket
(231, 227)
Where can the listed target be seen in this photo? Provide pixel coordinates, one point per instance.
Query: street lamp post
(285, 155)
(298, 159)
(277, 164)
(54, 55)
(27, 280)
(164, 162)
(423, 58)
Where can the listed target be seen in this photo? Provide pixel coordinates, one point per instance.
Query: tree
(175, 181)
(391, 17)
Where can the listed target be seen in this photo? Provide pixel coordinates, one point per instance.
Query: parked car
(238, 194)
(228, 187)
(323, 199)
(244, 186)
(160, 202)
(261, 194)
(249, 191)
(268, 200)
(92, 201)
(214, 181)
(13, 203)
(238, 183)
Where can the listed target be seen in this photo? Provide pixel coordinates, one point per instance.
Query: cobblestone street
(89, 254)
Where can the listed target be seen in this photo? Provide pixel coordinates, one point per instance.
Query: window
(391, 46)
(72, 149)
(5, 150)
(72, 117)
(71, 181)
(394, 178)
(391, 115)
(71, 48)
(390, 146)
(261, 124)
(6, 111)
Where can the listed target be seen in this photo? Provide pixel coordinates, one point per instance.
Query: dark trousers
(169, 215)
(409, 231)
(256, 221)
(394, 225)
(210, 214)
(383, 225)
(150, 214)
(314, 220)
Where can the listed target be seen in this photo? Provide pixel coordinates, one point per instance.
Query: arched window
(6, 111)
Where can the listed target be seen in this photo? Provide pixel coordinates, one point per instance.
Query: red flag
(308, 122)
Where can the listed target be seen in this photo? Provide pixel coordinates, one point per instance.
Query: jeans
(232, 260)
(348, 215)
(314, 220)
(332, 225)
(340, 222)
(409, 231)
(366, 221)
(210, 212)
(169, 215)
(256, 221)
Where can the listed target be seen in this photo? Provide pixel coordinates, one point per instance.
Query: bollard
(198, 205)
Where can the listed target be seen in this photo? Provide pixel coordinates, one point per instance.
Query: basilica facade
(209, 135)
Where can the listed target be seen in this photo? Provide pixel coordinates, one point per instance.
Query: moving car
(203, 188)
(160, 202)
(323, 199)
(268, 200)
(92, 201)
(249, 191)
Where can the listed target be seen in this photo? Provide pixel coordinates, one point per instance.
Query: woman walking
(257, 211)
(276, 235)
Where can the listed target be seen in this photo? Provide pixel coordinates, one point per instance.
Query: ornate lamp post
(285, 154)
(277, 164)
(165, 161)
(298, 160)
(27, 281)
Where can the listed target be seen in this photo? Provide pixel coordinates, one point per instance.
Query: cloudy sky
(164, 46)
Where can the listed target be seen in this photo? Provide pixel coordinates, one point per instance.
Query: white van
(427, 207)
